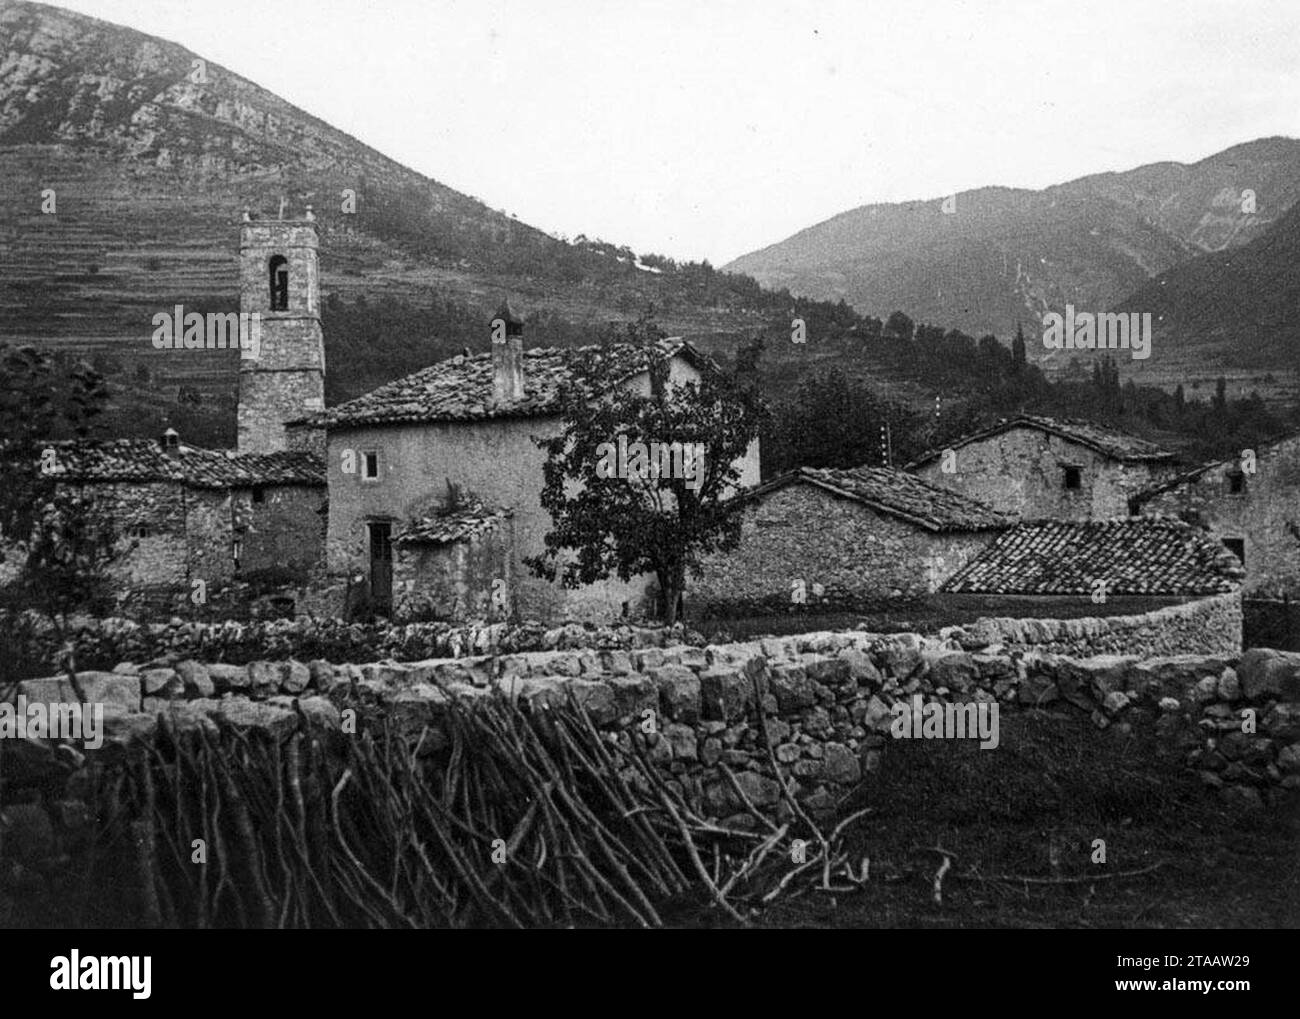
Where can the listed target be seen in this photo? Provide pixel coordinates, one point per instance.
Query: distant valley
(1000, 256)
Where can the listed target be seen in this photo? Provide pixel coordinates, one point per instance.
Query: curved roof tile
(460, 388)
(1136, 555)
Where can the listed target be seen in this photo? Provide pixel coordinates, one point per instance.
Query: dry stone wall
(102, 643)
(827, 699)
(1211, 625)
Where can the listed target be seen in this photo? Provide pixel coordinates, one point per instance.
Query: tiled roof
(145, 460)
(895, 493)
(1137, 555)
(459, 526)
(1108, 441)
(460, 388)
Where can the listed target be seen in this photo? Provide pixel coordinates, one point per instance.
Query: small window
(1236, 483)
(1237, 546)
(279, 270)
(1073, 477)
(140, 531)
(259, 493)
(370, 465)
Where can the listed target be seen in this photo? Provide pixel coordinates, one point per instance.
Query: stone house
(1255, 514)
(469, 421)
(1038, 467)
(185, 514)
(855, 539)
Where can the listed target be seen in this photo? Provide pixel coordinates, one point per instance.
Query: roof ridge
(923, 503)
(127, 459)
(1061, 427)
(459, 388)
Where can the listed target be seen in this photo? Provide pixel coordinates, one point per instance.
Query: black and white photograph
(651, 464)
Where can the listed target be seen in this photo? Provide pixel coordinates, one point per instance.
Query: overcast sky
(702, 128)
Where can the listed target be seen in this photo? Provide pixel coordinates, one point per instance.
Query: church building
(192, 521)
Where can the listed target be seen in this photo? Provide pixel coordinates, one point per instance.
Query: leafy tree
(61, 539)
(65, 564)
(747, 357)
(899, 327)
(645, 522)
(870, 328)
(41, 398)
(928, 335)
(835, 421)
(1018, 357)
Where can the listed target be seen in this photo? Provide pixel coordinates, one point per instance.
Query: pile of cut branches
(505, 816)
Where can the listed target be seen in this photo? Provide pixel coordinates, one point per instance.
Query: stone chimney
(507, 355)
(170, 442)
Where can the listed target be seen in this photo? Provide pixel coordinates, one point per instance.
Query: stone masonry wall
(1021, 471)
(210, 530)
(1211, 625)
(861, 559)
(827, 697)
(454, 580)
(102, 643)
(1265, 515)
(286, 529)
(286, 381)
(189, 533)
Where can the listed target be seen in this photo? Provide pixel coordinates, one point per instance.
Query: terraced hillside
(152, 156)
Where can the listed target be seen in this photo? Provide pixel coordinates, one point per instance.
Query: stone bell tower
(282, 376)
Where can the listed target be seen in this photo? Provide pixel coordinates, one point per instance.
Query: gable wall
(1021, 471)
(1262, 516)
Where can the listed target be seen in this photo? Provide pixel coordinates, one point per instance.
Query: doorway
(381, 567)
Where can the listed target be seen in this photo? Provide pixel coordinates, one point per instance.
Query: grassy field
(1032, 808)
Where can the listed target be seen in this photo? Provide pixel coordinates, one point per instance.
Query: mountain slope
(151, 170)
(1233, 313)
(1010, 254)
